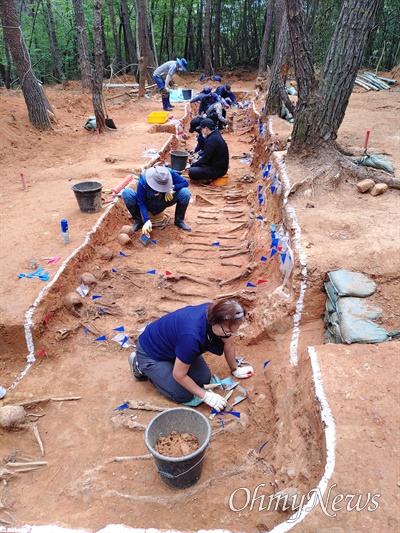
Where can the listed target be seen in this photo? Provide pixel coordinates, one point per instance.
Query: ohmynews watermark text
(243, 498)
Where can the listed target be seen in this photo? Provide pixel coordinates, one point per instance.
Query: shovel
(109, 121)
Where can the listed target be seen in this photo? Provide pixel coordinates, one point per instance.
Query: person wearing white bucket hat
(163, 76)
(159, 187)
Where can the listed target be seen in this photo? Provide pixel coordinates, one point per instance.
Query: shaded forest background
(212, 35)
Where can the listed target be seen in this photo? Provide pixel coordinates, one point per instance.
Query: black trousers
(205, 173)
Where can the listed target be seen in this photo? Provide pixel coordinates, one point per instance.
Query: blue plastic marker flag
(95, 297)
(102, 311)
(266, 362)
(260, 200)
(262, 446)
(202, 77)
(250, 284)
(259, 188)
(216, 243)
(113, 270)
(222, 422)
(86, 331)
(124, 341)
(121, 407)
(122, 253)
(121, 328)
(102, 338)
(151, 272)
(263, 258)
(272, 234)
(274, 243)
(273, 252)
(262, 166)
(215, 412)
(260, 217)
(272, 189)
(273, 227)
(234, 413)
(153, 241)
(283, 258)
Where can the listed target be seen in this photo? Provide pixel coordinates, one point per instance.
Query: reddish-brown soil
(177, 444)
(279, 441)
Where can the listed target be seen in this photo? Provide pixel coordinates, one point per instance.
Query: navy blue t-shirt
(184, 334)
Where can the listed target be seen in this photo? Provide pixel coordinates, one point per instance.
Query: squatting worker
(214, 161)
(163, 76)
(159, 187)
(169, 351)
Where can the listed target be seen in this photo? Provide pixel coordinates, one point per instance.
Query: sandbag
(375, 161)
(358, 307)
(347, 283)
(361, 330)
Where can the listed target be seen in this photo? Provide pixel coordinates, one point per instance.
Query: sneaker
(136, 372)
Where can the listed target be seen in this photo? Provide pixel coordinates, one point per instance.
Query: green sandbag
(361, 330)
(347, 283)
(358, 307)
(375, 161)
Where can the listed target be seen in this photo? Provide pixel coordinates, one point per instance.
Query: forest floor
(82, 485)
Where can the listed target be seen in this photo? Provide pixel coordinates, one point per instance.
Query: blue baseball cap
(182, 63)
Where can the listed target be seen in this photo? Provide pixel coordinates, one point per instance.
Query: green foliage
(241, 31)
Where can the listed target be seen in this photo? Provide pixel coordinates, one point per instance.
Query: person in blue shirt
(202, 93)
(159, 187)
(169, 351)
(208, 99)
(163, 76)
(224, 91)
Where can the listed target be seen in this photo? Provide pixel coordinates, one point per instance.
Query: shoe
(136, 372)
(182, 225)
(180, 211)
(137, 225)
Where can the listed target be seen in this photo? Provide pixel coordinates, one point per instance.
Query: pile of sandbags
(349, 316)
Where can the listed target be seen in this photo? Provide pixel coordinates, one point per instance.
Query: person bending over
(214, 161)
(163, 76)
(169, 351)
(224, 91)
(159, 187)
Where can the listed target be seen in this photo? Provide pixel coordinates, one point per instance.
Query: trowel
(225, 384)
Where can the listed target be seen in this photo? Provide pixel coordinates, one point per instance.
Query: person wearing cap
(214, 161)
(159, 187)
(224, 91)
(200, 96)
(195, 126)
(163, 76)
(169, 351)
(208, 99)
(217, 112)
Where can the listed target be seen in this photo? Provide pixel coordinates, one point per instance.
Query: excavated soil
(97, 470)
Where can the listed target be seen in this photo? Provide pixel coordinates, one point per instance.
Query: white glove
(169, 195)
(214, 400)
(147, 227)
(243, 372)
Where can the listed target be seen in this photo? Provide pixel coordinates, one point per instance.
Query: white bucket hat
(159, 179)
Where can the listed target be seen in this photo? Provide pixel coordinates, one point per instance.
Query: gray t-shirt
(170, 67)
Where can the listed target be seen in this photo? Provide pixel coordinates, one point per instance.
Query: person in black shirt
(214, 161)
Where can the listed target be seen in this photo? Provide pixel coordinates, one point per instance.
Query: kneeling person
(214, 161)
(159, 187)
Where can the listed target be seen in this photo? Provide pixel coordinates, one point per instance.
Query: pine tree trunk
(321, 107)
(97, 72)
(82, 46)
(269, 15)
(14, 39)
(207, 36)
(217, 34)
(54, 47)
(117, 61)
(130, 42)
(142, 44)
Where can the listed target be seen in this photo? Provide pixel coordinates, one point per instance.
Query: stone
(365, 185)
(378, 189)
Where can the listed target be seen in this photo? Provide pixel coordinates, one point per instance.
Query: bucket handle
(171, 476)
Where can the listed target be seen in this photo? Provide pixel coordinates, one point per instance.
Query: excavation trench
(277, 443)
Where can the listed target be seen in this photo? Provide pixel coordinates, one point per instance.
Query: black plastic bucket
(88, 195)
(179, 472)
(179, 159)
(187, 94)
